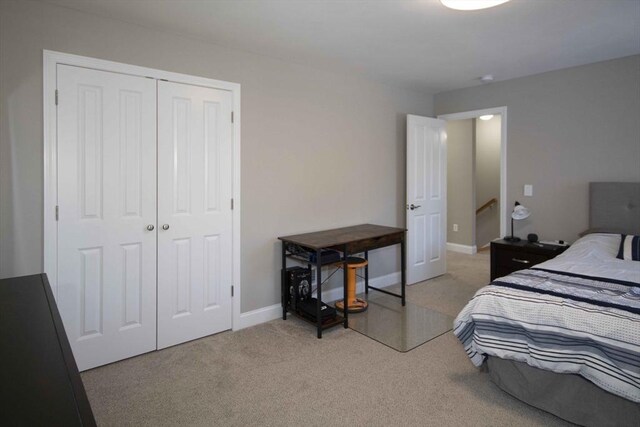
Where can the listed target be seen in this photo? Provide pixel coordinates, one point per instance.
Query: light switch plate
(528, 190)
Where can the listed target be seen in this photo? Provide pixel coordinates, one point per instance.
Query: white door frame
(505, 210)
(50, 61)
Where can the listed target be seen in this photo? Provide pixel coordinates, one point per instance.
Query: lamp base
(512, 239)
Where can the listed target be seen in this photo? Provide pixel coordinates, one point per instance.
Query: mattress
(569, 397)
(578, 313)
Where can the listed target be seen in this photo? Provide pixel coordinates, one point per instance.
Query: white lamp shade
(520, 212)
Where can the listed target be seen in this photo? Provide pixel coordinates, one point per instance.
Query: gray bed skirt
(567, 396)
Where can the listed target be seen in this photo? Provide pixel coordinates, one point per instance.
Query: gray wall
(565, 128)
(487, 179)
(460, 181)
(319, 149)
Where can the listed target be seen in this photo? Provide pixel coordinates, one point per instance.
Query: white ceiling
(418, 44)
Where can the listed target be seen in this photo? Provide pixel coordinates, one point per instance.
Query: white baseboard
(266, 314)
(261, 315)
(465, 249)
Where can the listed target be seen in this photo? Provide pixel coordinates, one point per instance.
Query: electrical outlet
(455, 227)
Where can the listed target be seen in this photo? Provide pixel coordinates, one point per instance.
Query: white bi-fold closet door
(194, 212)
(145, 226)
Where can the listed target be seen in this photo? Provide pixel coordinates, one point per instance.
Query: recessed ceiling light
(471, 4)
(486, 117)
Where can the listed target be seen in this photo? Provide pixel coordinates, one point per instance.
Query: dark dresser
(39, 379)
(507, 257)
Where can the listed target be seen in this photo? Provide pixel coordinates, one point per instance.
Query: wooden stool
(354, 305)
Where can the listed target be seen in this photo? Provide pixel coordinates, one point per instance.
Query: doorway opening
(476, 178)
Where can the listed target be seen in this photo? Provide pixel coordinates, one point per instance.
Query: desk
(349, 241)
(40, 380)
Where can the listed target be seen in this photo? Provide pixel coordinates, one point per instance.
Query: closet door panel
(194, 205)
(106, 198)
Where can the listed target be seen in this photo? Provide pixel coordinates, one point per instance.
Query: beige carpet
(279, 374)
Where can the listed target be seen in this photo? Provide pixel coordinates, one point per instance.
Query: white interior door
(426, 198)
(194, 212)
(107, 199)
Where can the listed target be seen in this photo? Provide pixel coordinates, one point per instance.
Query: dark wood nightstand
(507, 257)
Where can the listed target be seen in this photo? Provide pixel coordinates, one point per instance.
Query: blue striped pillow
(629, 248)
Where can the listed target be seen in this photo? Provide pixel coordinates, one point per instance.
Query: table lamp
(519, 212)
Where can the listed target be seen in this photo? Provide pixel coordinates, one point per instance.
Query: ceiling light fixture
(471, 4)
(486, 117)
(487, 78)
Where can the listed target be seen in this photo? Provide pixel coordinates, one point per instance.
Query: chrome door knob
(412, 207)
(165, 227)
(150, 227)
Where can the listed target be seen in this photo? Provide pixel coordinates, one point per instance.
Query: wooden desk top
(341, 236)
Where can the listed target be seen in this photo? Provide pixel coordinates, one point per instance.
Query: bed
(564, 336)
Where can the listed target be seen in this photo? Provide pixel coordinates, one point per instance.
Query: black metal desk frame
(349, 241)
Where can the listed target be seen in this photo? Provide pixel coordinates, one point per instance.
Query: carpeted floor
(279, 374)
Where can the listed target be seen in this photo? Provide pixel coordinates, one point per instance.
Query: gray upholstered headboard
(615, 206)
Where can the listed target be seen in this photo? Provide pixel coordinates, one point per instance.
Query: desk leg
(284, 292)
(366, 273)
(403, 280)
(345, 271)
(319, 292)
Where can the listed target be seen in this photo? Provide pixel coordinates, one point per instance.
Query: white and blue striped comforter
(561, 322)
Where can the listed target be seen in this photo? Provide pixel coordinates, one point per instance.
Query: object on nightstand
(555, 242)
(532, 238)
(519, 212)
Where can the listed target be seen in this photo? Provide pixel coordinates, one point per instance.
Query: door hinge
(231, 204)
(57, 213)
(56, 96)
(232, 291)
(232, 117)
